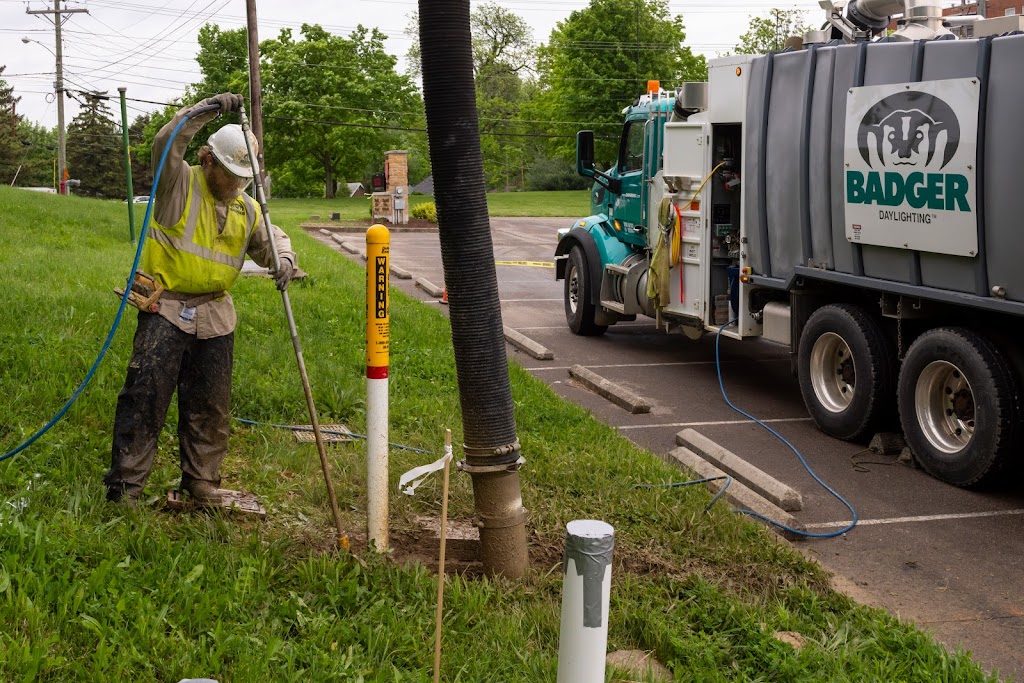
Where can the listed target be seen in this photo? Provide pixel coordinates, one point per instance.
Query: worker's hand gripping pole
(342, 538)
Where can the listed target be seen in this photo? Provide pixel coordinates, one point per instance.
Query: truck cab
(663, 238)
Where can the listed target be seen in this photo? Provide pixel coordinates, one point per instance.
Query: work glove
(228, 102)
(283, 275)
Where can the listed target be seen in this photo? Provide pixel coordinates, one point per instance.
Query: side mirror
(585, 153)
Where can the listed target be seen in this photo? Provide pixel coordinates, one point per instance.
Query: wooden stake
(440, 562)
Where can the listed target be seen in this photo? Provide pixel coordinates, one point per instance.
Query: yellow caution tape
(531, 264)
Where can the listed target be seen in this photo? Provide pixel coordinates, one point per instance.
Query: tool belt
(146, 292)
(192, 300)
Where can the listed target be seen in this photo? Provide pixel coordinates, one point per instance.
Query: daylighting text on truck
(856, 199)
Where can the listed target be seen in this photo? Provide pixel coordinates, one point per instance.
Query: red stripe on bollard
(376, 372)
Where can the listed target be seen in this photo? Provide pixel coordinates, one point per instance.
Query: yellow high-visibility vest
(191, 256)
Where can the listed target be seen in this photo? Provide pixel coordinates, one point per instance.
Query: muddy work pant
(164, 359)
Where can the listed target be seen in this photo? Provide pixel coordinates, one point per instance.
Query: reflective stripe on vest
(185, 257)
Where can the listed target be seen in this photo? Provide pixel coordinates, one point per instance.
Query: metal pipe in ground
(491, 448)
(586, 595)
(128, 166)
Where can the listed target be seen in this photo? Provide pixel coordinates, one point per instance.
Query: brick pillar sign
(392, 205)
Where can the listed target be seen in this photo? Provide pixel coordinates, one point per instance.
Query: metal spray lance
(342, 539)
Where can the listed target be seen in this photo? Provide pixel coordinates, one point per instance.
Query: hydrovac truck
(854, 197)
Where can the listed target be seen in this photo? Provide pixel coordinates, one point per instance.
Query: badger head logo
(912, 129)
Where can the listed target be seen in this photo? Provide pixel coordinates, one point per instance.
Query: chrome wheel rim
(574, 289)
(945, 406)
(833, 373)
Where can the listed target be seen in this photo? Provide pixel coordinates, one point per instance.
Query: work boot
(122, 498)
(203, 493)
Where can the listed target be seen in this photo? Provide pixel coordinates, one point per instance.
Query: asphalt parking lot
(944, 558)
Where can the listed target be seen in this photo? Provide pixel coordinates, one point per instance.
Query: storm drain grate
(330, 433)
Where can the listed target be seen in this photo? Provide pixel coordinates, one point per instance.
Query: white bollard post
(586, 592)
(378, 334)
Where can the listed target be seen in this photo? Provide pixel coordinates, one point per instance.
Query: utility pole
(57, 19)
(255, 91)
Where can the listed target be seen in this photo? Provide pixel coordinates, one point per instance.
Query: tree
(331, 107)
(142, 174)
(768, 34)
(10, 145)
(95, 156)
(600, 58)
(223, 60)
(504, 54)
(38, 158)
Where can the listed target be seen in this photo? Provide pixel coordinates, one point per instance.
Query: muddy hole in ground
(422, 545)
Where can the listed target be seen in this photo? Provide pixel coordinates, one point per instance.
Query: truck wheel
(959, 406)
(579, 307)
(847, 372)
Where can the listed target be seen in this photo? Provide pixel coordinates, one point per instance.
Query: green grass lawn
(571, 204)
(89, 591)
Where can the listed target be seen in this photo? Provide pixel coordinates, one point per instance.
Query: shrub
(426, 210)
(553, 174)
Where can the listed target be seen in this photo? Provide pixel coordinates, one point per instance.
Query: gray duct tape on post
(590, 547)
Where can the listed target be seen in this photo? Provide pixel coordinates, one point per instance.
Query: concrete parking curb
(764, 484)
(361, 229)
(325, 231)
(401, 274)
(352, 249)
(429, 287)
(737, 493)
(524, 343)
(347, 246)
(618, 395)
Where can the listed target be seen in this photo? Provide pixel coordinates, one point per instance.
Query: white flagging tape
(417, 475)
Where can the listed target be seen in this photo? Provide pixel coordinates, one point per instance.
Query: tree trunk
(328, 181)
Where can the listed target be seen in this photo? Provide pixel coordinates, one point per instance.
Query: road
(944, 558)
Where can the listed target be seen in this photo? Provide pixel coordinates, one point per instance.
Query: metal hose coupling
(492, 459)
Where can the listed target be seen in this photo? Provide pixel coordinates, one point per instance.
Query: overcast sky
(149, 46)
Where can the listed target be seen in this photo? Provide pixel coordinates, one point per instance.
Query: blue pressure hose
(798, 532)
(124, 300)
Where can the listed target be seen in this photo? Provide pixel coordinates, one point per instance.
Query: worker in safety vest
(204, 225)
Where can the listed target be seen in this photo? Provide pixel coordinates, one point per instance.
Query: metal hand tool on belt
(144, 294)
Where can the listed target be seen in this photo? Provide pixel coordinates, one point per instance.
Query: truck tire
(847, 372)
(960, 406)
(579, 306)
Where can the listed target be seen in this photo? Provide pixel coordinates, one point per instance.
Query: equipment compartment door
(685, 166)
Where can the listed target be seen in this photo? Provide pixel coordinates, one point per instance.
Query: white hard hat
(228, 146)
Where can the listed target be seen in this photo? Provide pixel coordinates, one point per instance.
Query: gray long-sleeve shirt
(217, 317)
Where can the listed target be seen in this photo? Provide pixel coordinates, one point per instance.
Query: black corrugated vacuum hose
(492, 454)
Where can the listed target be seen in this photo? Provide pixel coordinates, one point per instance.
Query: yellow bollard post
(378, 338)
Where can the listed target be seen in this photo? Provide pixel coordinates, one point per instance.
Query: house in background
(426, 186)
(356, 190)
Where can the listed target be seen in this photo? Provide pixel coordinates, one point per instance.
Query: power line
(346, 124)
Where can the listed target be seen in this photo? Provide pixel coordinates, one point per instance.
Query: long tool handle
(440, 560)
(342, 539)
